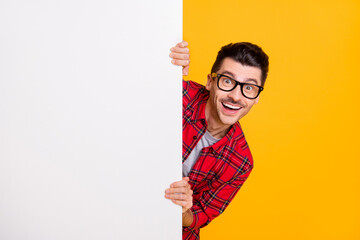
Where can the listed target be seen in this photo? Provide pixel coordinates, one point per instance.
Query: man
(216, 157)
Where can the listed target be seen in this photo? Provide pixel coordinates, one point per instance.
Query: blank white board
(90, 119)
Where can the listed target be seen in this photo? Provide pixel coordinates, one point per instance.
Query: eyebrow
(251, 80)
(232, 75)
(229, 73)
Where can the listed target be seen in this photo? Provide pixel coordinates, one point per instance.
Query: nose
(236, 95)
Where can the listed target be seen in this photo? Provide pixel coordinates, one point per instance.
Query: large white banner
(90, 119)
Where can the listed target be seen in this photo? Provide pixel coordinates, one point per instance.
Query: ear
(209, 82)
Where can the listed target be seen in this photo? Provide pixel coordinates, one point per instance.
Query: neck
(215, 127)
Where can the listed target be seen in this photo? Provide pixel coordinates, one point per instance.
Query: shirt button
(194, 137)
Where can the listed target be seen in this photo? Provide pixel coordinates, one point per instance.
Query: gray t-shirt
(205, 141)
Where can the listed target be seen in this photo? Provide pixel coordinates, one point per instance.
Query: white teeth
(231, 106)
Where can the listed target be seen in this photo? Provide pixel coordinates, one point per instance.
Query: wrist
(187, 218)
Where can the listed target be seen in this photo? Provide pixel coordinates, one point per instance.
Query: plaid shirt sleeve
(214, 201)
(190, 90)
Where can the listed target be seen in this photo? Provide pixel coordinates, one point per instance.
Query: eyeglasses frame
(237, 83)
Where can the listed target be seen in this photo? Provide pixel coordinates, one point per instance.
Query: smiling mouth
(230, 106)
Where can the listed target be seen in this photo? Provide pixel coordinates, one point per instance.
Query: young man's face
(226, 108)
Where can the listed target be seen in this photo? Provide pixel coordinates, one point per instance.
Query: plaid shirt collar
(198, 114)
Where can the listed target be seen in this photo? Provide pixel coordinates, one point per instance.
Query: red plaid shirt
(220, 170)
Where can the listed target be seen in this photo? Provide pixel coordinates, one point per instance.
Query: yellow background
(304, 133)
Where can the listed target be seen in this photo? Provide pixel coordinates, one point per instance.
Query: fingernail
(171, 54)
(172, 61)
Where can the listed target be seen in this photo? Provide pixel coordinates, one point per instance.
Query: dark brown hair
(247, 54)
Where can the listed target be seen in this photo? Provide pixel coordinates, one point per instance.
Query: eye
(227, 81)
(249, 87)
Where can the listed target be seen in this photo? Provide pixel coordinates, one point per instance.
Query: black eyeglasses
(227, 84)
